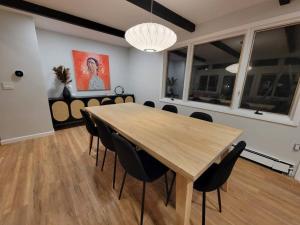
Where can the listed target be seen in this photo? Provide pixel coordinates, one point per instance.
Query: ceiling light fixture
(150, 37)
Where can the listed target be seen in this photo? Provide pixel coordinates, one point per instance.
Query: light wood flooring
(54, 181)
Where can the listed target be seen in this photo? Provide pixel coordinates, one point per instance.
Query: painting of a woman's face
(91, 71)
(92, 65)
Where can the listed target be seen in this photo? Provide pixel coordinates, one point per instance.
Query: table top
(184, 144)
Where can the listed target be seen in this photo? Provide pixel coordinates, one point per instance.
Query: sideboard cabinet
(66, 113)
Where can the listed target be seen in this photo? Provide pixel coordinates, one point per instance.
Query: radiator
(269, 162)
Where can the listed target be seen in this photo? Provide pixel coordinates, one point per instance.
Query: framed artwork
(91, 71)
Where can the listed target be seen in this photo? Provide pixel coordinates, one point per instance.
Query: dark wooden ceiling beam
(165, 13)
(61, 16)
(184, 55)
(284, 2)
(226, 48)
(201, 59)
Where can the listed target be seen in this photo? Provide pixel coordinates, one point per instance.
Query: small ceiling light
(150, 37)
(234, 68)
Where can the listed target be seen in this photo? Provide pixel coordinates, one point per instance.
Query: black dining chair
(91, 128)
(202, 116)
(105, 134)
(170, 108)
(149, 103)
(138, 164)
(216, 175)
(108, 102)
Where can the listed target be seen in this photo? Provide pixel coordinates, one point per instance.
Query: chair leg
(143, 203)
(219, 200)
(122, 186)
(104, 159)
(171, 188)
(97, 151)
(203, 208)
(114, 172)
(91, 143)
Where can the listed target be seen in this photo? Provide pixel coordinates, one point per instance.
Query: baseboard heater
(268, 161)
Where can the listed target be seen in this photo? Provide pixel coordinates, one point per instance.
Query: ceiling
(122, 14)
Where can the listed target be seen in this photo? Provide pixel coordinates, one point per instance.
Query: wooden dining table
(186, 145)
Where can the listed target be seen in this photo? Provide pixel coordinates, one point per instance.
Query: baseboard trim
(27, 137)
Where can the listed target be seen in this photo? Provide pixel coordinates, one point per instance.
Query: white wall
(56, 49)
(24, 111)
(145, 71)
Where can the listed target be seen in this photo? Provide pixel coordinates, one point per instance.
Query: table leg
(184, 193)
(225, 185)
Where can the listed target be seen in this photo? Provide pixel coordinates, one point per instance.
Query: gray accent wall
(24, 111)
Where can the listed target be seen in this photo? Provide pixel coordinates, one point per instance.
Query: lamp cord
(151, 11)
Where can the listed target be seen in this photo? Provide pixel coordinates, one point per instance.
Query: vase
(66, 93)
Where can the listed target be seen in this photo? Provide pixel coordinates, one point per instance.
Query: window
(227, 86)
(212, 79)
(274, 70)
(266, 85)
(248, 85)
(176, 73)
(213, 83)
(260, 82)
(203, 83)
(283, 87)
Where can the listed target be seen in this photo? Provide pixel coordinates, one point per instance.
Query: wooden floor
(54, 181)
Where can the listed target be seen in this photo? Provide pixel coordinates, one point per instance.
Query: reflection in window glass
(248, 85)
(213, 83)
(275, 70)
(283, 87)
(175, 73)
(227, 87)
(214, 69)
(266, 85)
(203, 83)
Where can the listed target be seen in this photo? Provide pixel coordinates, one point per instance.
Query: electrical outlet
(297, 147)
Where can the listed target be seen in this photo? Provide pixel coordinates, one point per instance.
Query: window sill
(268, 117)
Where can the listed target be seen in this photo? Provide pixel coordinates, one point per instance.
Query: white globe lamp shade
(234, 68)
(150, 37)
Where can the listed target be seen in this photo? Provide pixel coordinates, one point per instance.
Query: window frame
(248, 31)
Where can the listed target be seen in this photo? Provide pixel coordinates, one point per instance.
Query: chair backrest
(149, 103)
(89, 124)
(170, 108)
(202, 116)
(225, 167)
(129, 158)
(104, 133)
(108, 102)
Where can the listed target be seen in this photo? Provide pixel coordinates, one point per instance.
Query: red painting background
(81, 73)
